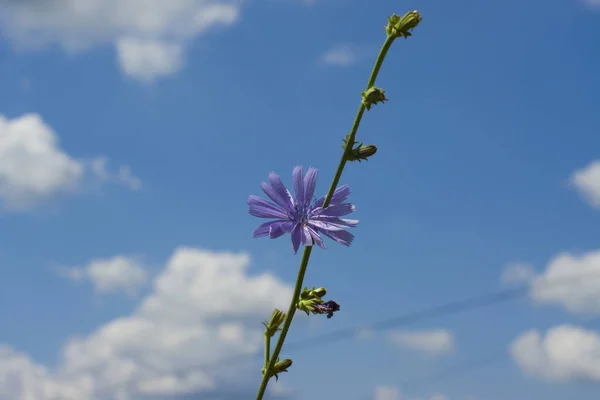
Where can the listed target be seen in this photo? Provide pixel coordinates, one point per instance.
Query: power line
(468, 365)
(454, 307)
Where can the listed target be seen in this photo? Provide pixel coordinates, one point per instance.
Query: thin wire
(454, 307)
(495, 356)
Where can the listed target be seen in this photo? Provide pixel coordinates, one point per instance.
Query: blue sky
(131, 134)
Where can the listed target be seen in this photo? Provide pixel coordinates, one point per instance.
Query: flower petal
(316, 237)
(298, 181)
(263, 229)
(306, 236)
(263, 209)
(296, 237)
(310, 182)
(342, 237)
(333, 223)
(340, 194)
(278, 192)
(334, 210)
(280, 228)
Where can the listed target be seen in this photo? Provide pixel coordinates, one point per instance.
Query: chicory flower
(306, 220)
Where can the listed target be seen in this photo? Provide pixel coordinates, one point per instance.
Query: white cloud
(587, 183)
(32, 165)
(116, 274)
(204, 307)
(342, 55)
(571, 281)
(148, 60)
(278, 389)
(99, 168)
(433, 342)
(593, 3)
(364, 334)
(141, 30)
(438, 396)
(386, 393)
(515, 273)
(566, 353)
(34, 168)
(393, 393)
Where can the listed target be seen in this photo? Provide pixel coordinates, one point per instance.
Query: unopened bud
(401, 26)
(313, 293)
(320, 292)
(362, 152)
(308, 305)
(273, 325)
(281, 366)
(373, 96)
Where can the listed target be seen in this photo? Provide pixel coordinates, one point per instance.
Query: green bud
(320, 292)
(401, 27)
(373, 96)
(308, 305)
(391, 26)
(281, 366)
(272, 326)
(313, 293)
(362, 152)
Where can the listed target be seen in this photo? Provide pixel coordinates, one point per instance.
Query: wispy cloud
(432, 342)
(341, 55)
(516, 273)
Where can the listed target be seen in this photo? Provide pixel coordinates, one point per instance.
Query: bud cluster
(311, 302)
(401, 26)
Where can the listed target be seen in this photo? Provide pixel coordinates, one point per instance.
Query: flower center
(300, 213)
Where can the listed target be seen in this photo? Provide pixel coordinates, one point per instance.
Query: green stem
(286, 325)
(361, 110)
(267, 348)
(308, 249)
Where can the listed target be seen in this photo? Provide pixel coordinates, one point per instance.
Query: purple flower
(304, 218)
(329, 307)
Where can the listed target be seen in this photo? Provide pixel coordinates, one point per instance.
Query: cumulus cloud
(386, 393)
(148, 35)
(341, 55)
(516, 273)
(432, 342)
(587, 183)
(565, 353)
(116, 274)
(571, 281)
(32, 164)
(34, 168)
(203, 307)
(148, 60)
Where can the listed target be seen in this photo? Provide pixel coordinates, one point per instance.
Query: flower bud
(373, 96)
(308, 305)
(313, 293)
(281, 366)
(320, 292)
(401, 27)
(272, 327)
(362, 152)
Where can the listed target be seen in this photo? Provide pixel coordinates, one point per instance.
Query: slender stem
(308, 249)
(359, 114)
(286, 325)
(267, 348)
